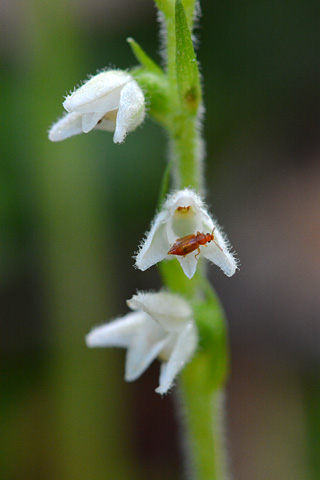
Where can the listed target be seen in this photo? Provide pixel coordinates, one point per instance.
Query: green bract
(188, 78)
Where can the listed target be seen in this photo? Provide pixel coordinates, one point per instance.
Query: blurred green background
(73, 213)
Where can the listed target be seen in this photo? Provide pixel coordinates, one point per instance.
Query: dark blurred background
(73, 213)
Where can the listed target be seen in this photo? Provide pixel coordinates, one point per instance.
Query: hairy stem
(202, 381)
(186, 149)
(203, 419)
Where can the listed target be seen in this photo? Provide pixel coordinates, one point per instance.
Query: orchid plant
(183, 325)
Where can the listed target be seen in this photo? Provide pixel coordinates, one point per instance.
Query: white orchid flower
(160, 326)
(111, 101)
(184, 222)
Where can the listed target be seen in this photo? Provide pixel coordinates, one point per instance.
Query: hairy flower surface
(184, 214)
(160, 326)
(111, 101)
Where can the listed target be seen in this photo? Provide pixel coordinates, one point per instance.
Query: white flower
(185, 214)
(111, 101)
(161, 326)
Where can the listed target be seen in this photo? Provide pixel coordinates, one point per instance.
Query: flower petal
(189, 263)
(117, 333)
(131, 111)
(100, 93)
(145, 347)
(90, 120)
(108, 121)
(155, 247)
(182, 352)
(222, 258)
(170, 310)
(69, 125)
(185, 198)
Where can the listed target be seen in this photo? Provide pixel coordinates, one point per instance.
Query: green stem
(203, 419)
(186, 147)
(202, 381)
(201, 396)
(171, 49)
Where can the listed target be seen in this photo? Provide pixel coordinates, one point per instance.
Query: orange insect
(185, 245)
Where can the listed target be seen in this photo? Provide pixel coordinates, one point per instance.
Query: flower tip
(230, 271)
(161, 390)
(89, 339)
(230, 267)
(119, 135)
(55, 134)
(97, 337)
(53, 137)
(68, 126)
(188, 274)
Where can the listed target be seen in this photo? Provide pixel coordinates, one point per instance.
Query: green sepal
(187, 71)
(212, 356)
(155, 89)
(143, 58)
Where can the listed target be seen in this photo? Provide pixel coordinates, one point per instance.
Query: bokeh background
(72, 215)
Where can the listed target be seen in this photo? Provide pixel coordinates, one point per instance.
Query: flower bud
(111, 101)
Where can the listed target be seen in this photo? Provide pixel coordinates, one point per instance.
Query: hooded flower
(185, 214)
(111, 101)
(160, 326)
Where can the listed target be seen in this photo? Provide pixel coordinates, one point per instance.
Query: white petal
(222, 258)
(189, 263)
(199, 218)
(67, 126)
(155, 247)
(169, 309)
(183, 198)
(147, 343)
(90, 120)
(195, 219)
(131, 110)
(106, 124)
(182, 352)
(103, 104)
(95, 94)
(118, 333)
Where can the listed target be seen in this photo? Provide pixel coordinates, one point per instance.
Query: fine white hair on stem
(163, 31)
(162, 37)
(196, 19)
(217, 414)
(201, 146)
(185, 442)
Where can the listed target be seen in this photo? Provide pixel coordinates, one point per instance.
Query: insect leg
(218, 245)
